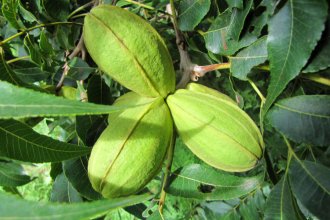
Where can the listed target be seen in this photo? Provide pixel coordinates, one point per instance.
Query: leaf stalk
(36, 27)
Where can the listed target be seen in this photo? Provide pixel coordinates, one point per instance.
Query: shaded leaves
(20, 142)
(303, 118)
(288, 49)
(191, 12)
(202, 182)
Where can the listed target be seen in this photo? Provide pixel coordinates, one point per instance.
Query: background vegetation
(272, 57)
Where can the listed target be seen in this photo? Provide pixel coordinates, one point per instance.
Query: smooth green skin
(216, 130)
(208, 91)
(130, 50)
(131, 150)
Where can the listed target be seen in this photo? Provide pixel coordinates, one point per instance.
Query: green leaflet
(139, 61)
(12, 174)
(288, 49)
(55, 211)
(21, 142)
(191, 12)
(281, 204)
(311, 185)
(16, 102)
(246, 59)
(204, 182)
(303, 119)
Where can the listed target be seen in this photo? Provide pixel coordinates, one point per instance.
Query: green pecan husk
(131, 150)
(215, 129)
(130, 50)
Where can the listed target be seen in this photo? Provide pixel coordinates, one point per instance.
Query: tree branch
(80, 48)
(186, 66)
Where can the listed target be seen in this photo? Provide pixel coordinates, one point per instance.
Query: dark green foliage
(279, 74)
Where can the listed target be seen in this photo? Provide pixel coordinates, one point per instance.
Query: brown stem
(199, 71)
(80, 48)
(64, 73)
(186, 66)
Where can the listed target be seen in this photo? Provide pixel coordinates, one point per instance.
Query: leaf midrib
(300, 112)
(40, 146)
(208, 183)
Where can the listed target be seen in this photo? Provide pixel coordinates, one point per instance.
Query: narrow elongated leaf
(281, 203)
(303, 118)
(90, 127)
(63, 191)
(76, 172)
(35, 210)
(235, 3)
(29, 72)
(287, 47)
(217, 41)
(7, 74)
(27, 15)
(33, 50)
(191, 12)
(44, 44)
(321, 60)
(253, 207)
(9, 11)
(58, 10)
(196, 181)
(253, 55)
(258, 21)
(215, 37)
(237, 20)
(311, 185)
(20, 142)
(79, 69)
(18, 102)
(12, 175)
